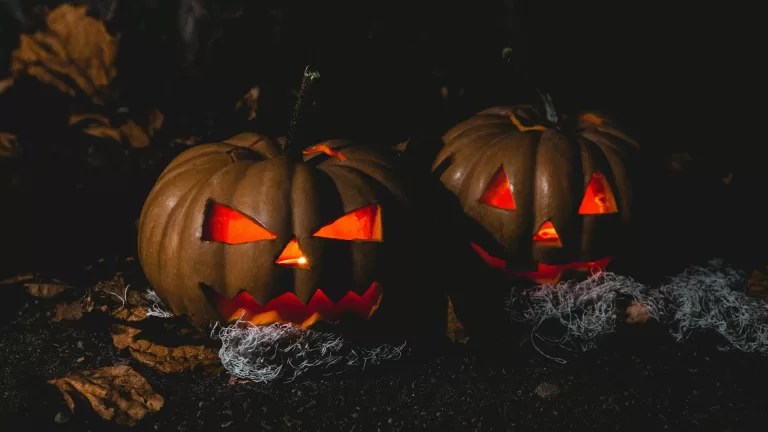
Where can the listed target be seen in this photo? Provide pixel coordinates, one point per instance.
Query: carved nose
(292, 256)
(547, 235)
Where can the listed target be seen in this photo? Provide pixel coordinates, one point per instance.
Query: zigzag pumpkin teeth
(287, 308)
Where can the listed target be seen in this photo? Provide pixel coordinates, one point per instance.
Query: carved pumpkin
(238, 229)
(547, 196)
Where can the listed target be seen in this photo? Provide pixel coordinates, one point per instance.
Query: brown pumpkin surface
(546, 199)
(233, 226)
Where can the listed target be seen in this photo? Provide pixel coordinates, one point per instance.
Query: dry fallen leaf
(9, 145)
(68, 312)
(757, 286)
(122, 336)
(401, 147)
(177, 359)
(75, 53)
(165, 359)
(45, 290)
(455, 329)
(129, 133)
(18, 278)
(130, 314)
(637, 313)
(115, 392)
(250, 102)
(6, 84)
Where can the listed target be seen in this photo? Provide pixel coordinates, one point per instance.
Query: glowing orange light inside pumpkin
(598, 198)
(498, 193)
(292, 256)
(322, 148)
(551, 273)
(287, 308)
(361, 224)
(547, 235)
(544, 273)
(225, 225)
(492, 261)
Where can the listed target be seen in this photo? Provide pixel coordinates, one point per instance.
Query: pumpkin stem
(549, 107)
(291, 147)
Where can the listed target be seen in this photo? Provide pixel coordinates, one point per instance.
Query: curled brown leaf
(5, 85)
(68, 312)
(129, 133)
(131, 314)
(115, 392)
(75, 53)
(45, 290)
(165, 359)
(455, 329)
(9, 145)
(18, 278)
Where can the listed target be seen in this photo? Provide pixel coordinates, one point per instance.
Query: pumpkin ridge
(550, 187)
(169, 244)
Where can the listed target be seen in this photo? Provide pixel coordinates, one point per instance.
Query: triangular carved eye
(598, 198)
(362, 224)
(226, 225)
(498, 193)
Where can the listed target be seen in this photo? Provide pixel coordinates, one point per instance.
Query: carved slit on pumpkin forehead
(288, 308)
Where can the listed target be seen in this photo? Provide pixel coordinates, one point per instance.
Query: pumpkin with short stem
(247, 229)
(232, 230)
(548, 195)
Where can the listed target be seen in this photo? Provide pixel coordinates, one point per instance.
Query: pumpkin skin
(531, 190)
(236, 229)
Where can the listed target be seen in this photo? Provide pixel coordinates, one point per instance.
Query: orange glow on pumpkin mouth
(545, 273)
(288, 309)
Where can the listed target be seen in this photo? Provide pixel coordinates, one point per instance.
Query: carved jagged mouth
(549, 273)
(545, 273)
(287, 308)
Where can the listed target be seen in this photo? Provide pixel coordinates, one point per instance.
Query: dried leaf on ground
(75, 53)
(118, 292)
(637, 313)
(132, 314)
(455, 329)
(115, 392)
(165, 359)
(134, 135)
(177, 359)
(95, 125)
(68, 312)
(129, 133)
(5, 85)
(18, 278)
(9, 145)
(122, 336)
(46, 290)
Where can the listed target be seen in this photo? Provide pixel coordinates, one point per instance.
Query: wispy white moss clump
(700, 298)
(284, 351)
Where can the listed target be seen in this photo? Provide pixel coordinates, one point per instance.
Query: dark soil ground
(639, 379)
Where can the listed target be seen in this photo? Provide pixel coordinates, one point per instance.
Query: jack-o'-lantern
(548, 195)
(241, 230)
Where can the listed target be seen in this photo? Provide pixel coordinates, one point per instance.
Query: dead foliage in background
(76, 54)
